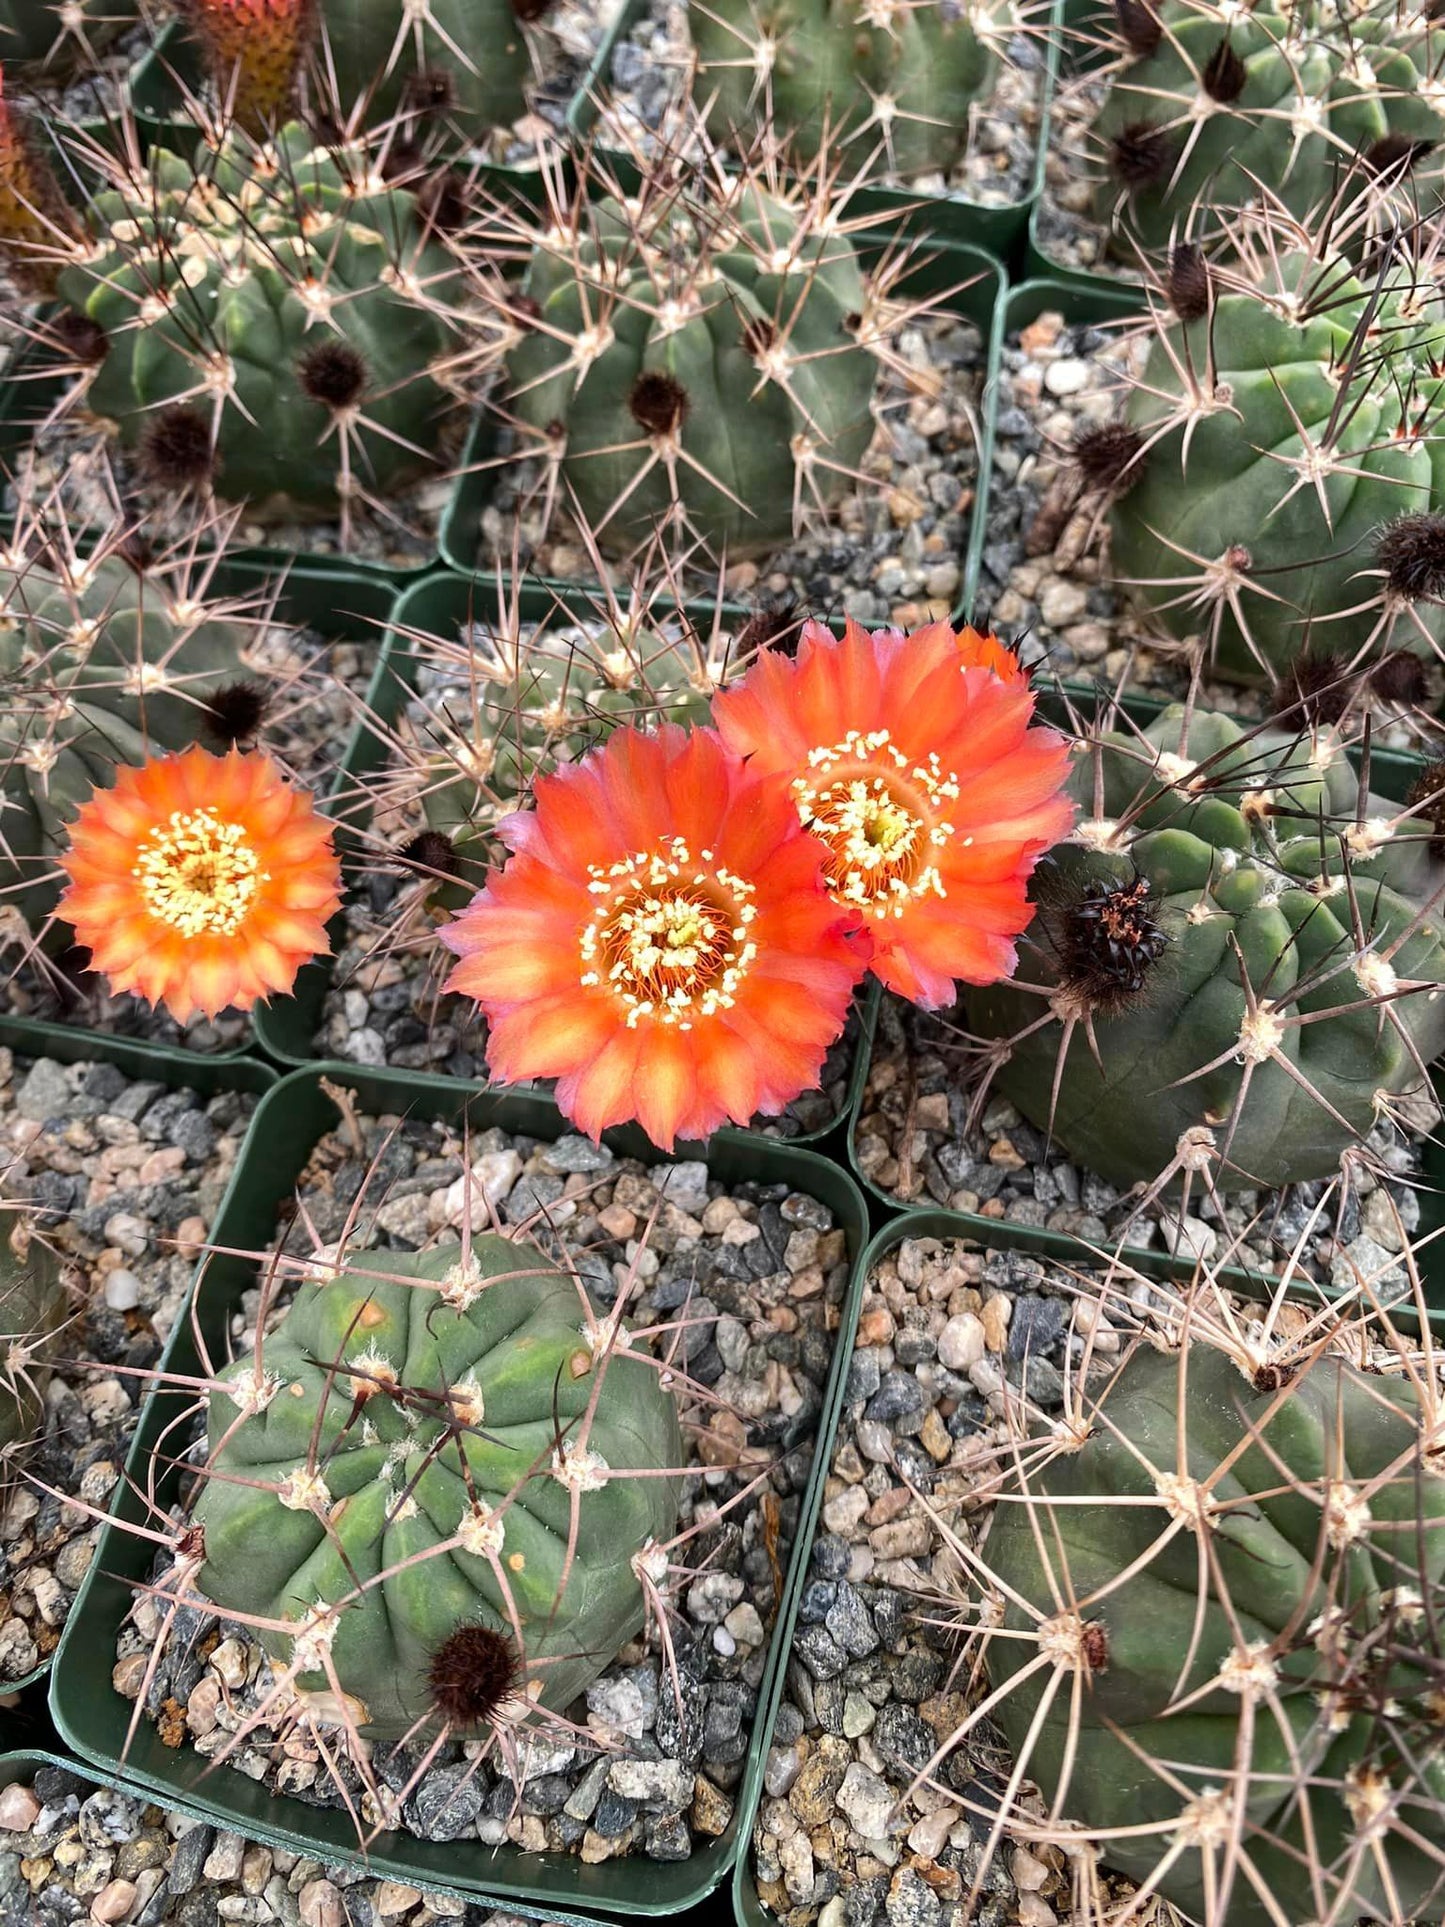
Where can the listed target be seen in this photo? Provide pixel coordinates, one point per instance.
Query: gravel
(1045, 559)
(762, 1273)
(872, 1690)
(891, 550)
(1068, 235)
(71, 1851)
(126, 1176)
(652, 61)
(912, 1141)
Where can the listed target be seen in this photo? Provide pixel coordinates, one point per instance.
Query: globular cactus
(695, 359)
(531, 703)
(272, 321)
(34, 1301)
(36, 227)
(1275, 481)
(1212, 1617)
(1211, 104)
(102, 663)
(55, 37)
(1238, 945)
(447, 1451)
(889, 87)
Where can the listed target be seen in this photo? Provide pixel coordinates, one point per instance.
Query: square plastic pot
(983, 1234)
(440, 606)
(1001, 229)
(92, 1718)
(941, 268)
(144, 1062)
(353, 608)
(1097, 305)
(1078, 50)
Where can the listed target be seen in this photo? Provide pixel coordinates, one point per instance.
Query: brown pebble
(171, 1726)
(114, 1901)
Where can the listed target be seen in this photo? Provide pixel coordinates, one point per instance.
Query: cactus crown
(1209, 1609)
(1210, 106)
(1272, 478)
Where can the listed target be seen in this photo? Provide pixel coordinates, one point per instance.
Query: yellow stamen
(198, 873)
(670, 935)
(875, 810)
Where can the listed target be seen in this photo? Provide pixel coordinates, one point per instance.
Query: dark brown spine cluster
(175, 448)
(1315, 690)
(1108, 939)
(658, 402)
(1411, 553)
(333, 373)
(472, 1675)
(1188, 282)
(1140, 28)
(1107, 456)
(1224, 74)
(1141, 154)
(430, 853)
(1426, 797)
(235, 713)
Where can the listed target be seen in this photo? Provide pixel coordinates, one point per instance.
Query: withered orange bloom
(201, 882)
(915, 762)
(660, 941)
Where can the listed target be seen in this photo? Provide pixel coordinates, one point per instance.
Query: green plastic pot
(1100, 305)
(21, 1766)
(1000, 229)
(92, 1719)
(339, 607)
(144, 1062)
(439, 606)
(937, 269)
(1077, 52)
(981, 1234)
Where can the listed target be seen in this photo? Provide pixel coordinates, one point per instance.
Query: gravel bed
(318, 689)
(762, 1273)
(891, 550)
(652, 62)
(1045, 557)
(71, 1851)
(74, 455)
(1067, 233)
(91, 93)
(912, 1141)
(872, 1691)
(125, 1176)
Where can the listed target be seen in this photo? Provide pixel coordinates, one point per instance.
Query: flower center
(198, 873)
(874, 809)
(669, 934)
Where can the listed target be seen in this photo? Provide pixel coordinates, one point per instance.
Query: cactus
(465, 64)
(1238, 940)
(696, 359)
(1215, 1638)
(36, 227)
(440, 1445)
(889, 87)
(101, 663)
(33, 1303)
(272, 321)
(1275, 481)
(55, 37)
(531, 704)
(1210, 104)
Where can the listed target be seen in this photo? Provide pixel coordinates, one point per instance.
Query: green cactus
(530, 706)
(270, 321)
(1275, 481)
(57, 37)
(468, 63)
(101, 665)
(33, 1302)
(466, 1431)
(890, 83)
(1211, 862)
(1269, 1559)
(1211, 106)
(696, 364)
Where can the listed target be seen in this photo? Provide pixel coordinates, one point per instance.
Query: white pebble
(122, 1290)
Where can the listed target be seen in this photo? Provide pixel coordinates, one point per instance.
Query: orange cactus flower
(660, 941)
(915, 763)
(201, 882)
